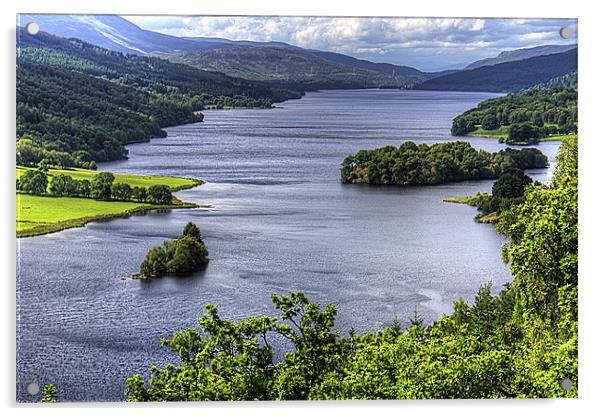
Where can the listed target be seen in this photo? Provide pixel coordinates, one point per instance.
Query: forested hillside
(508, 76)
(519, 54)
(78, 103)
(520, 343)
(300, 68)
(527, 116)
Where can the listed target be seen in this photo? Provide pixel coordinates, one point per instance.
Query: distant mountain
(223, 42)
(112, 32)
(260, 61)
(506, 77)
(519, 54)
(300, 68)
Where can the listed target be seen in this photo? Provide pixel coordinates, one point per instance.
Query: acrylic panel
(295, 208)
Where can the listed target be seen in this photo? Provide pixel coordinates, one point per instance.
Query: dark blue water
(280, 221)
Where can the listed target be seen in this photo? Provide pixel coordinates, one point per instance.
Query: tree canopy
(183, 255)
(412, 164)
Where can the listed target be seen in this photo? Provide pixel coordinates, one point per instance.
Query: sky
(428, 44)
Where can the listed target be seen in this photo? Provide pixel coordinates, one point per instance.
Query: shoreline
(490, 218)
(554, 138)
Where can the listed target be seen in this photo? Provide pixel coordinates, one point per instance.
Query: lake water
(280, 221)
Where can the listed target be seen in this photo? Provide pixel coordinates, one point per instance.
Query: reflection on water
(280, 221)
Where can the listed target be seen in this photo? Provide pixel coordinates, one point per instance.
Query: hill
(520, 54)
(299, 68)
(78, 103)
(508, 76)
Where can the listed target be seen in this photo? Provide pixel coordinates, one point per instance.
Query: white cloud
(408, 41)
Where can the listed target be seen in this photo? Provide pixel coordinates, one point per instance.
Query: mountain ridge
(520, 54)
(508, 76)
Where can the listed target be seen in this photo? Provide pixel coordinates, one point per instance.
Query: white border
(590, 230)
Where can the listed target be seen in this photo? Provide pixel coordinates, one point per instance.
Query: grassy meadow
(502, 133)
(46, 214)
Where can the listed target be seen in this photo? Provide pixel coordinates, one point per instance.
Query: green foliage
(49, 394)
(139, 193)
(412, 164)
(184, 255)
(33, 182)
(511, 184)
(159, 195)
(121, 192)
(530, 115)
(525, 132)
(63, 185)
(490, 122)
(154, 263)
(100, 187)
(191, 230)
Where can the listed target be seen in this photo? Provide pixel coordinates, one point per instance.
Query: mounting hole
(566, 384)
(33, 389)
(566, 32)
(32, 28)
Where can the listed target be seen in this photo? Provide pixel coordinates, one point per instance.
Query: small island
(184, 255)
(411, 164)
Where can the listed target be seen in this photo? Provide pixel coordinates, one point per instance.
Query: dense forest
(508, 76)
(530, 115)
(78, 103)
(412, 164)
(519, 343)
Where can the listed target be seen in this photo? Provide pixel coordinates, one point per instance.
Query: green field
(46, 214)
(174, 183)
(502, 133)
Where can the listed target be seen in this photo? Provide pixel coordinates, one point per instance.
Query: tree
(139, 193)
(154, 263)
(191, 230)
(524, 132)
(100, 187)
(159, 195)
(83, 188)
(186, 255)
(63, 185)
(33, 181)
(490, 122)
(121, 191)
(511, 184)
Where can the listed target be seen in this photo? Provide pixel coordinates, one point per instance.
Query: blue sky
(424, 43)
